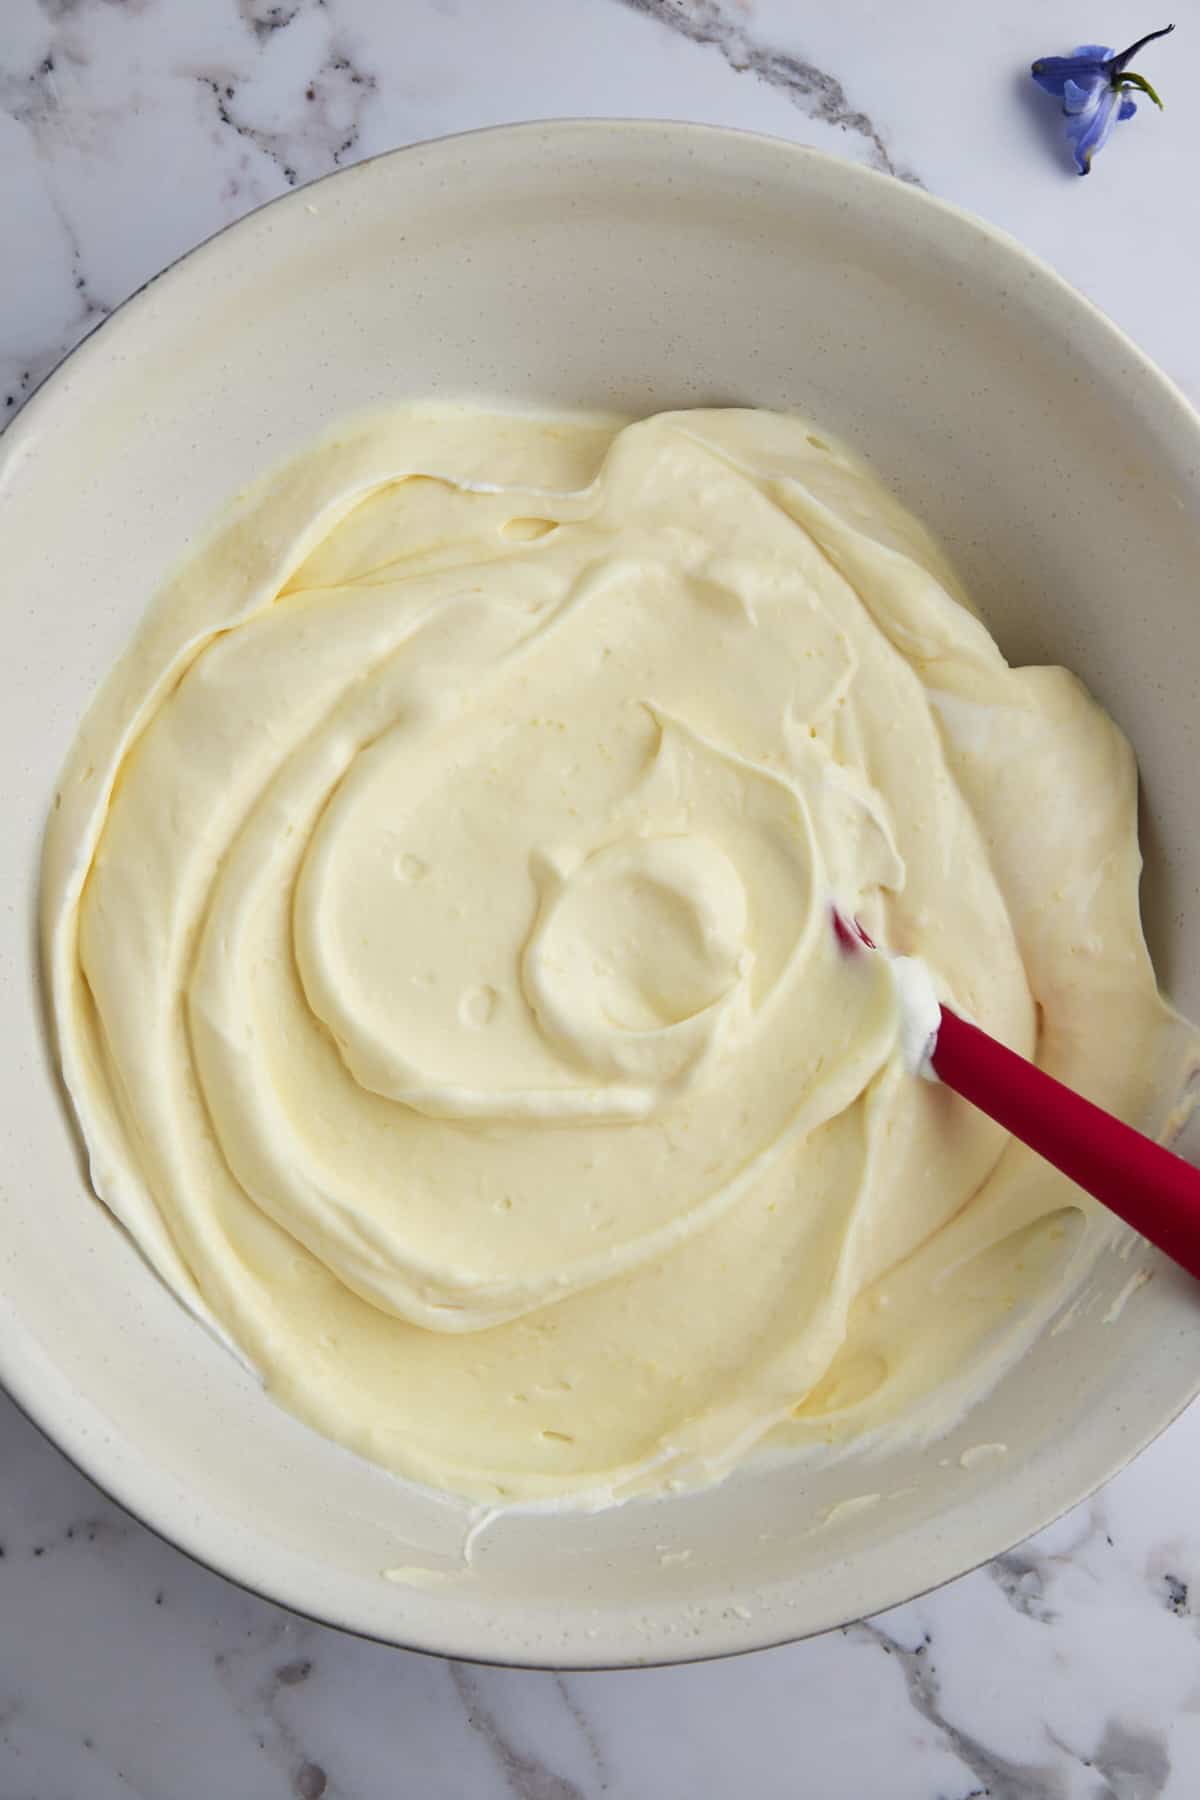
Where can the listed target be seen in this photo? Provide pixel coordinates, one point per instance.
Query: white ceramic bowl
(633, 266)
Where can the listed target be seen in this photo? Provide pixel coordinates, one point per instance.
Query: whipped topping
(438, 911)
(920, 1013)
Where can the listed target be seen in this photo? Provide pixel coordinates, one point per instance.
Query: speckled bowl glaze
(631, 266)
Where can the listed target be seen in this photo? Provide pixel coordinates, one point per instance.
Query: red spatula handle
(1150, 1188)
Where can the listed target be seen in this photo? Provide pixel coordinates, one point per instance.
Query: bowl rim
(90, 1454)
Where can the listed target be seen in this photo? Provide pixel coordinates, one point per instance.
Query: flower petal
(1127, 107)
(1086, 63)
(1081, 97)
(1089, 131)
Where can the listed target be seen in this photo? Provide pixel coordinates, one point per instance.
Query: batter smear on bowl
(438, 908)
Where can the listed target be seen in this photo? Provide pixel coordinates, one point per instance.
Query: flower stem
(1118, 62)
(1130, 80)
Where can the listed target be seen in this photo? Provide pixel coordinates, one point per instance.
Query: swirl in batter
(438, 914)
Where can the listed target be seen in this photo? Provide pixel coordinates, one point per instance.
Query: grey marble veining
(816, 92)
(1067, 1670)
(1081, 1682)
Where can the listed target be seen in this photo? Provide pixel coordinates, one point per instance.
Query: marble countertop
(1066, 1670)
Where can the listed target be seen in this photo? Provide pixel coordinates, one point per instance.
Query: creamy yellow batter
(438, 917)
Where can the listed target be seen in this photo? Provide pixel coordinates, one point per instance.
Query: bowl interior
(634, 267)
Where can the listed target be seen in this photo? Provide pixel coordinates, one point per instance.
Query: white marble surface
(1068, 1670)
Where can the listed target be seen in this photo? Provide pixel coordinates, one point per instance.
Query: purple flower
(1093, 84)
